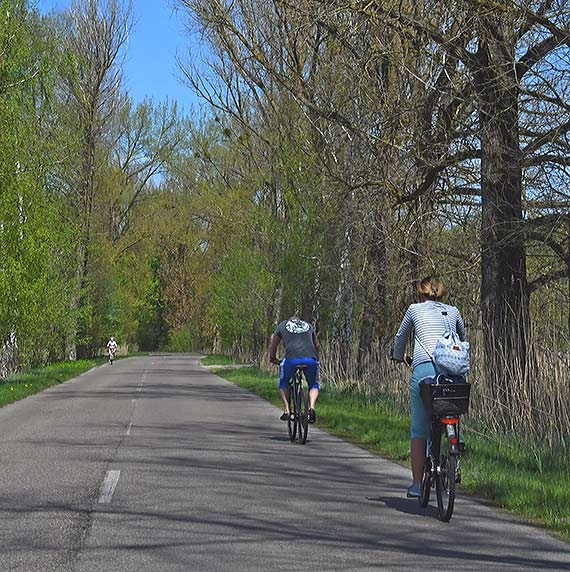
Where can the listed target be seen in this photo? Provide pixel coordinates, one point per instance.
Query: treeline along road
(342, 152)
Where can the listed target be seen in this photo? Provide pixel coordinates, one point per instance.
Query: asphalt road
(154, 464)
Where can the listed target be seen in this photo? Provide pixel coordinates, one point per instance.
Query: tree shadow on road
(405, 505)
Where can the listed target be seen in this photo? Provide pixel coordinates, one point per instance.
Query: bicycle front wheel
(445, 483)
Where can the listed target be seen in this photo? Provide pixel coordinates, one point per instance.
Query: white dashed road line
(108, 486)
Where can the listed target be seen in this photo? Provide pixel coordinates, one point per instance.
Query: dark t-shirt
(297, 337)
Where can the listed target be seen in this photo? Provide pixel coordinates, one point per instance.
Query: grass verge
(217, 359)
(20, 385)
(529, 480)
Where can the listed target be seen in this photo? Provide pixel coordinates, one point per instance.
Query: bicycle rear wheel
(445, 482)
(303, 413)
(293, 415)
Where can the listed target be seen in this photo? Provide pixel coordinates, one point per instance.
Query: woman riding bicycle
(428, 323)
(301, 348)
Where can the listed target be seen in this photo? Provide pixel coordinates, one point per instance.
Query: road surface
(155, 464)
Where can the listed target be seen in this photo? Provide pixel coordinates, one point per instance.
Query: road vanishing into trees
(154, 464)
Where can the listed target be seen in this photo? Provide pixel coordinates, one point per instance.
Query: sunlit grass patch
(20, 385)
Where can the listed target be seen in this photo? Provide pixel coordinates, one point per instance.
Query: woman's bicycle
(298, 421)
(446, 399)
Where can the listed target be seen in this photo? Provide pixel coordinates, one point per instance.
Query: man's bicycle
(298, 421)
(446, 399)
(112, 355)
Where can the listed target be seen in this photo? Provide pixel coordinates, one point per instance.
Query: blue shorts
(421, 421)
(287, 371)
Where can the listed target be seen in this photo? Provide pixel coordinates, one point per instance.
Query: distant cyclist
(301, 348)
(112, 349)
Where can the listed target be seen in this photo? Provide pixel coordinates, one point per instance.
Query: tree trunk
(9, 354)
(342, 318)
(375, 317)
(83, 348)
(504, 292)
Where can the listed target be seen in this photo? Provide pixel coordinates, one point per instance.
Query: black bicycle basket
(443, 396)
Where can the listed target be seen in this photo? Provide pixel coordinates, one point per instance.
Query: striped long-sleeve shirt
(429, 324)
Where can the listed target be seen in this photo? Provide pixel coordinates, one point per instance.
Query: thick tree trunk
(343, 293)
(315, 302)
(568, 279)
(342, 317)
(504, 292)
(375, 317)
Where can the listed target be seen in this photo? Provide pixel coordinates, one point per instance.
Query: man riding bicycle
(112, 349)
(301, 349)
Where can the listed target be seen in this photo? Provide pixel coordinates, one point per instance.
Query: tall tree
(96, 32)
(30, 234)
(513, 55)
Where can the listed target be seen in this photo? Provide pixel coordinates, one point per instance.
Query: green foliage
(151, 332)
(179, 341)
(239, 297)
(35, 247)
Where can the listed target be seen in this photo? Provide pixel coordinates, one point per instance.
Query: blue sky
(150, 65)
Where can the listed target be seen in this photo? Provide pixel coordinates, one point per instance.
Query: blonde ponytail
(431, 288)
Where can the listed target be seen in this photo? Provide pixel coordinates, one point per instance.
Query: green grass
(529, 480)
(20, 385)
(217, 359)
